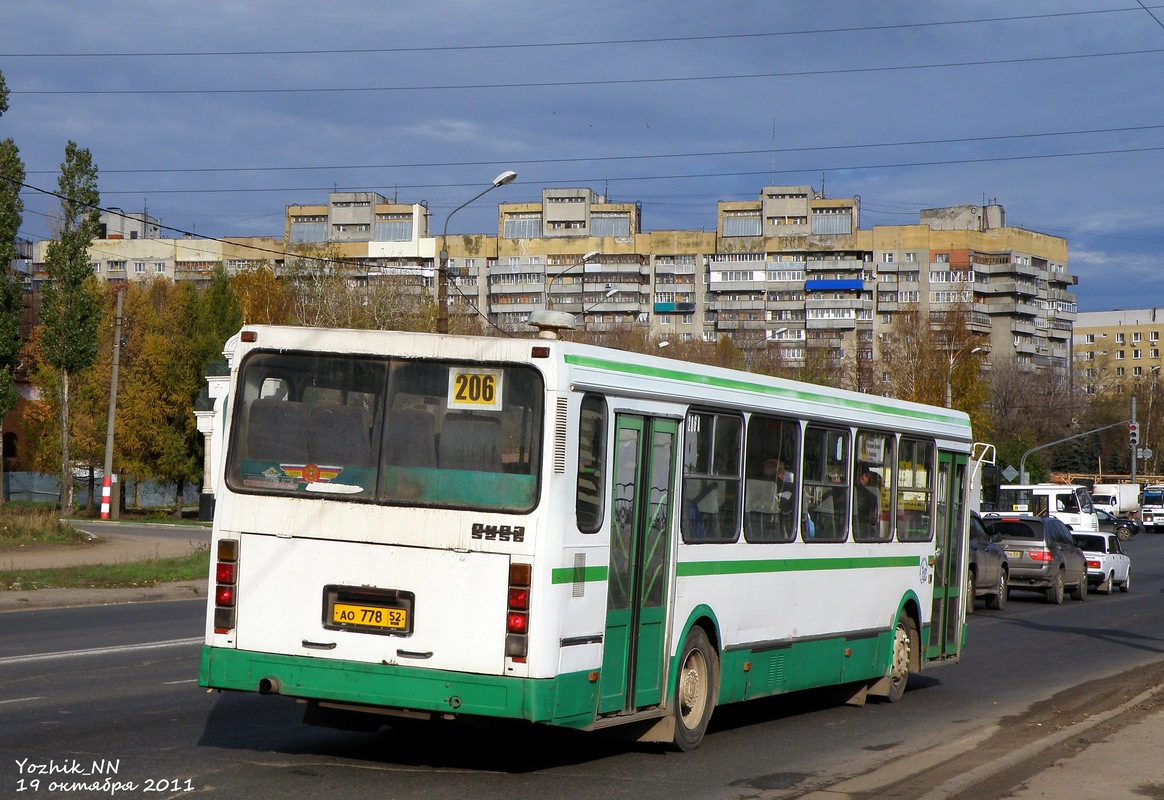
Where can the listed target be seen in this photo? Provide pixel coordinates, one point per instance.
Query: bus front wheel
(695, 689)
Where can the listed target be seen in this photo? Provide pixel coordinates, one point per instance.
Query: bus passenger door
(634, 657)
(950, 546)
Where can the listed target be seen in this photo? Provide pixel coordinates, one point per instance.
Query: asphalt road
(117, 684)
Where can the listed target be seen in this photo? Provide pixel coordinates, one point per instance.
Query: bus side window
(825, 485)
(589, 504)
(711, 477)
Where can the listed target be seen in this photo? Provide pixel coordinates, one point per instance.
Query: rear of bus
(373, 529)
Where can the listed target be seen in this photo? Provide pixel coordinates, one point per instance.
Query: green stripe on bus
(692, 568)
(584, 575)
(563, 575)
(937, 415)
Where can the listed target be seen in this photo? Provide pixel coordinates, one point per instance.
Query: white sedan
(1108, 565)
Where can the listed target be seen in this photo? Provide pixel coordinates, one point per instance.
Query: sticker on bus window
(477, 389)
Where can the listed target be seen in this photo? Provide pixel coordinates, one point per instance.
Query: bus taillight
(226, 578)
(517, 612)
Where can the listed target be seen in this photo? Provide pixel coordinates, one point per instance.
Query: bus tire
(696, 689)
(905, 643)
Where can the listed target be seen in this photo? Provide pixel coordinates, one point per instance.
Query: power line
(591, 43)
(638, 157)
(674, 176)
(575, 83)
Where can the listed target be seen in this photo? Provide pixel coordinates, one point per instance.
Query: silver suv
(1041, 555)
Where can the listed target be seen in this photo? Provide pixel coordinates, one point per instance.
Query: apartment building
(1117, 347)
(790, 270)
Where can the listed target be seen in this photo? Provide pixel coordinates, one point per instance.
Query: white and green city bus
(443, 526)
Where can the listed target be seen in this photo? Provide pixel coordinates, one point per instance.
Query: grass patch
(127, 575)
(27, 525)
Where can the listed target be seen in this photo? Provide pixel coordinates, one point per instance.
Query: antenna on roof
(773, 151)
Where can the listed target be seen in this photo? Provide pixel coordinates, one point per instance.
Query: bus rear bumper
(568, 700)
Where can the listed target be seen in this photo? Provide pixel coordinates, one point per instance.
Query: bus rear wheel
(696, 688)
(905, 641)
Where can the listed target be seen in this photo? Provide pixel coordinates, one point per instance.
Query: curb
(32, 599)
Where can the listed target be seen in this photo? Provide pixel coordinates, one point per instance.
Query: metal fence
(38, 487)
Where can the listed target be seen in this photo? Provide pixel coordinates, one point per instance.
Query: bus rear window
(396, 432)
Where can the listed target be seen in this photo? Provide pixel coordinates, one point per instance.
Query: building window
(1136, 354)
(603, 223)
(742, 223)
(1120, 339)
(911, 258)
(522, 226)
(832, 221)
(160, 267)
(393, 228)
(1136, 336)
(887, 258)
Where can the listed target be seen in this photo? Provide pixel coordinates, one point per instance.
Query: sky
(214, 116)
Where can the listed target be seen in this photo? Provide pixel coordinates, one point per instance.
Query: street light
(550, 282)
(549, 322)
(443, 273)
(950, 371)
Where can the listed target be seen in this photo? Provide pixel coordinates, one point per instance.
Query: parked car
(988, 575)
(1124, 527)
(1108, 565)
(1040, 554)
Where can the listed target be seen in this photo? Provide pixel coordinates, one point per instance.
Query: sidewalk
(108, 547)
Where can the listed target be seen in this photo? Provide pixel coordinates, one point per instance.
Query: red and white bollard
(105, 498)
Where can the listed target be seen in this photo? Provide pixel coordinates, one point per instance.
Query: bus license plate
(350, 614)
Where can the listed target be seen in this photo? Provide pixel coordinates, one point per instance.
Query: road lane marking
(178, 683)
(20, 700)
(98, 651)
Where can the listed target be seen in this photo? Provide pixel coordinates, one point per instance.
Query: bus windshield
(443, 434)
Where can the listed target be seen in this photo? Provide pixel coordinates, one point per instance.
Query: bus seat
(277, 430)
(411, 438)
(470, 443)
(339, 435)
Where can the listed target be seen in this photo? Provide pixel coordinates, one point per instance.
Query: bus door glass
(634, 657)
(949, 571)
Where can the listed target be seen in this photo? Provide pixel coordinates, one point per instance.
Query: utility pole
(1133, 439)
(106, 483)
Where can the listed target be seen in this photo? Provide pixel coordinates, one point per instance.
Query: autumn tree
(263, 298)
(216, 316)
(71, 305)
(160, 378)
(935, 358)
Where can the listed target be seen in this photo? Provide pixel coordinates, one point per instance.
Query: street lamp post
(443, 272)
(950, 372)
(580, 263)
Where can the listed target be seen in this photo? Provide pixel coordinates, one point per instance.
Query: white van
(1066, 502)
